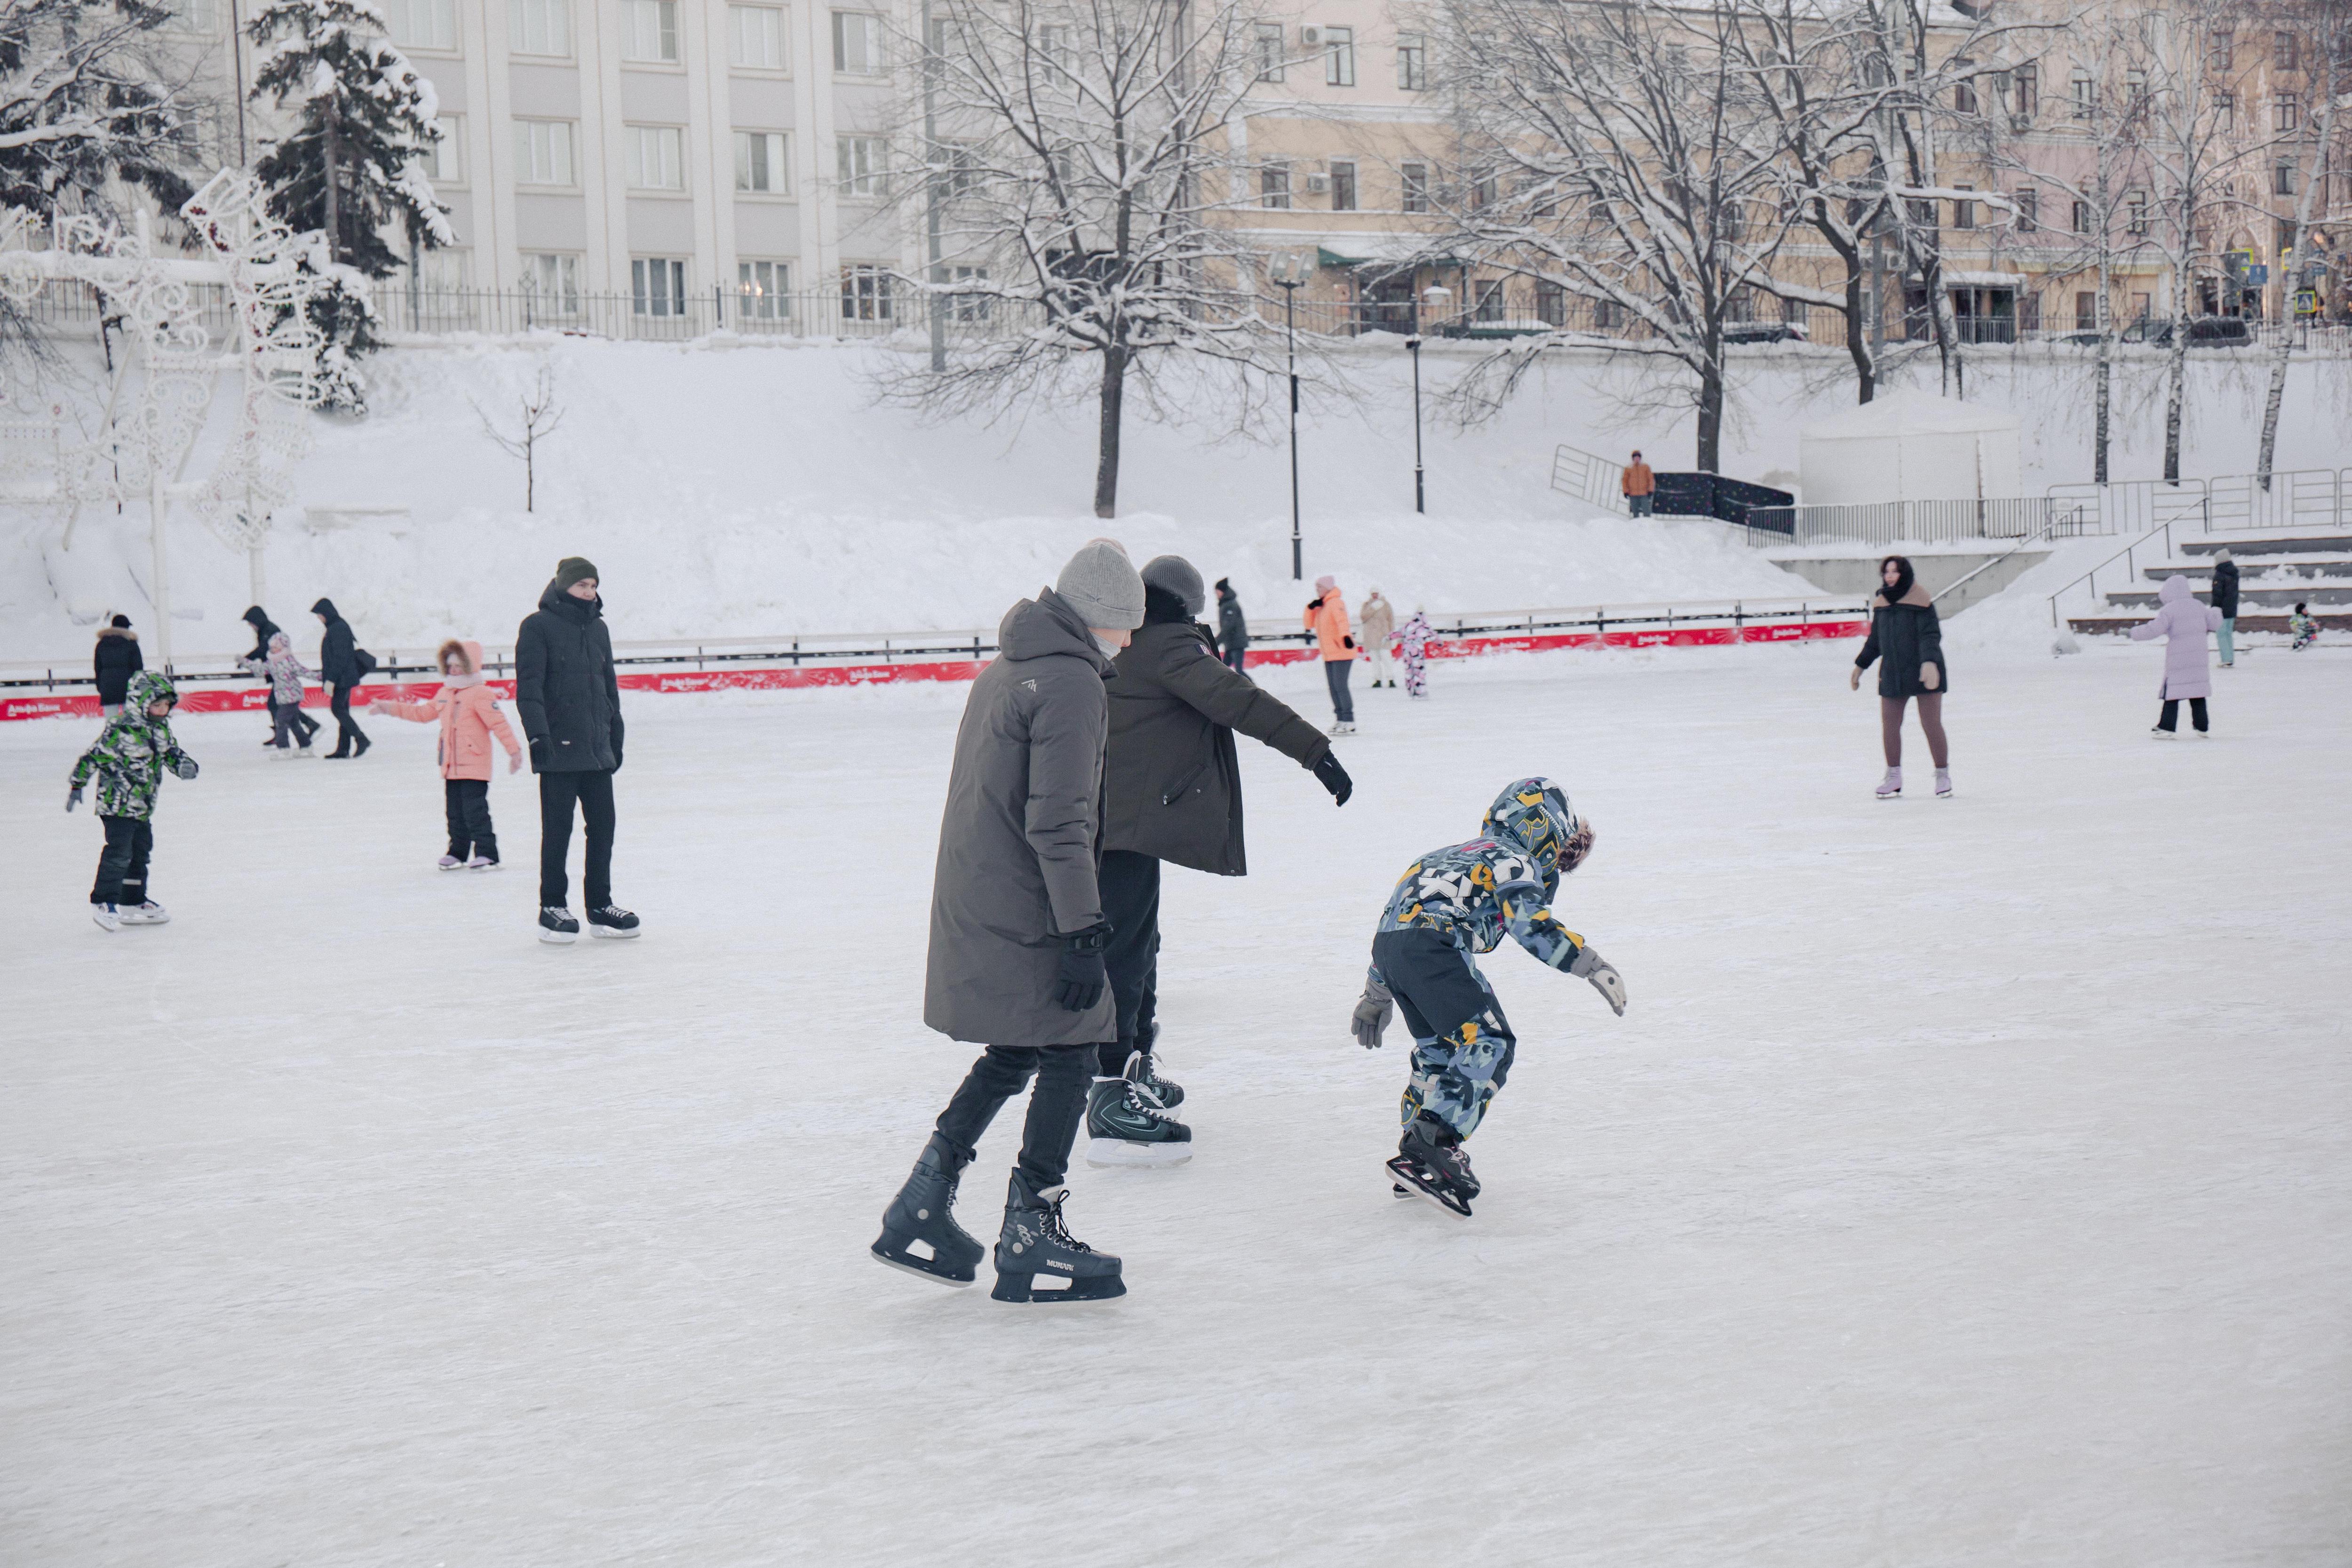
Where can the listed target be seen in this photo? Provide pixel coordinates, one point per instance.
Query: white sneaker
(150, 913)
(1892, 785)
(107, 917)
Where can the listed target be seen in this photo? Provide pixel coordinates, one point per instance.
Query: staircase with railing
(2292, 537)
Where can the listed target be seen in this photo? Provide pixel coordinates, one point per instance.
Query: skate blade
(558, 938)
(1115, 1151)
(1399, 1176)
(609, 934)
(915, 1267)
(1020, 1290)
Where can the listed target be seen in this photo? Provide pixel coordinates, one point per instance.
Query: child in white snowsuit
(128, 761)
(1450, 904)
(1412, 644)
(284, 674)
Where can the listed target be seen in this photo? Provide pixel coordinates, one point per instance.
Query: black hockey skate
(1143, 1068)
(1432, 1164)
(1127, 1125)
(1036, 1246)
(919, 1233)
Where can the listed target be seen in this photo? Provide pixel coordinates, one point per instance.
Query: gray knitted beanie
(1102, 585)
(1174, 574)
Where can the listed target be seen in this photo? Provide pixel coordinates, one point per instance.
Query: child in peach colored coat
(468, 714)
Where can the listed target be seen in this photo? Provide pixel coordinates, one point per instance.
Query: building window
(191, 16)
(2225, 112)
(857, 43)
(2029, 313)
(554, 283)
(2086, 310)
(445, 157)
(1552, 304)
(2082, 217)
(2225, 47)
(2084, 89)
(970, 306)
(859, 168)
(760, 162)
(656, 157)
(538, 27)
(2283, 52)
(2286, 111)
(1964, 214)
(1489, 307)
(2282, 178)
(1416, 186)
(1413, 63)
(956, 166)
(2136, 211)
(543, 151)
(649, 30)
(1054, 47)
(1964, 91)
(755, 37)
(1343, 187)
(1484, 189)
(656, 286)
(763, 290)
(2029, 211)
(1274, 185)
(1923, 212)
(1338, 56)
(1270, 51)
(422, 24)
(865, 292)
(2025, 90)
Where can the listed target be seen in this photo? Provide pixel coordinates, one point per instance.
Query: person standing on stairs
(1378, 624)
(2225, 599)
(1171, 790)
(1326, 617)
(339, 666)
(1905, 630)
(2182, 622)
(1017, 934)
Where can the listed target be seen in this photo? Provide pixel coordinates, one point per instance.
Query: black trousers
(1235, 657)
(468, 802)
(346, 732)
(305, 726)
(1335, 675)
(1056, 1106)
(2170, 718)
(1130, 901)
(558, 793)
(122, 864)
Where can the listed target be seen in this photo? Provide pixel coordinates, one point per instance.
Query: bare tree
(1074, 158)
(2321, 31)
(541, 417)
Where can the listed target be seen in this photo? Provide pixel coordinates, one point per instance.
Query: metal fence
(1923, 521)
(2302, 497)
(1595, 480)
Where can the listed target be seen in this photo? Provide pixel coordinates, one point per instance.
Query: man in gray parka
(1018, 933)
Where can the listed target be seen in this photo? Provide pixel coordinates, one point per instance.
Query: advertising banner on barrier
(785, 677)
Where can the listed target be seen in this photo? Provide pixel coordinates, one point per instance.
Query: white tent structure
(1910, 446)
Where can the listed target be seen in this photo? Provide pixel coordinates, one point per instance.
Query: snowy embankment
(760, 490)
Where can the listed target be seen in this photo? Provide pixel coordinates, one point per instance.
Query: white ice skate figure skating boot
(1943, 783)
(147, 914)
(1892, 785)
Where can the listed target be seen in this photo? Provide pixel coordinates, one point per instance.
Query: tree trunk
(1857, 336)
(2176, 378)
(2103, 381)
(334, 174)
(2311, 174)
(1710, 406)
(1114, 391)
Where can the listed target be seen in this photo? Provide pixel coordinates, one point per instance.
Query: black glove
(1333, 777)
(1348, 642)
(1080, 977)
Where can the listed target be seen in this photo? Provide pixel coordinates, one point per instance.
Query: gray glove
(1590, 967)
(185, 767)
(1372, 1014)
(73, 797)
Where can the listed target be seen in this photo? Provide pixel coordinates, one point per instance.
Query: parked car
(1763, 332)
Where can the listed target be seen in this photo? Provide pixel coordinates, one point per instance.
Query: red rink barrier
(84, 705)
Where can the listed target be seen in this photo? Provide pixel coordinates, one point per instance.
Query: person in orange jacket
(1326, 617)
(1641, 487)
(468, 713)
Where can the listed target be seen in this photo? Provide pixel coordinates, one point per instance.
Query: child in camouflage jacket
(1449, 905)
(128, 762)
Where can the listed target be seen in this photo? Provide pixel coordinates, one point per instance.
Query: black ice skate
(1431, 1162)
(919, 1233)
(556, 925)
(1127, 1125)
(612, 921)
(1143, 1066)
(1038, 1260)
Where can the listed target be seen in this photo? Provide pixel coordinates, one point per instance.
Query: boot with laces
(1127, 1125)
(1037, 1258)
(919, 1233)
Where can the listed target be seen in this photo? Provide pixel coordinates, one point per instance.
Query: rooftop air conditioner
(1311, 36)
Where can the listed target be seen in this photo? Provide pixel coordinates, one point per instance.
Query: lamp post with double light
(1436, 297)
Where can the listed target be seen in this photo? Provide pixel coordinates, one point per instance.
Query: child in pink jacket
(469, 716)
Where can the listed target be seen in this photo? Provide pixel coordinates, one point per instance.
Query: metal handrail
(2036, 537)
(2092, 577)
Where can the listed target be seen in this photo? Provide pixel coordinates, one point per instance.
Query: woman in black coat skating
(264, 629)
(338, 663)
(1905, 630)
(115, 661)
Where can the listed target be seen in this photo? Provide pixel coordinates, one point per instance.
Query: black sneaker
(612, 921)
(1126, 1126)
(556, 925)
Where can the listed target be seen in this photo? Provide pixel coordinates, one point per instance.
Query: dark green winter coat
(566, 690)
(1173, 786)
(1908, 635)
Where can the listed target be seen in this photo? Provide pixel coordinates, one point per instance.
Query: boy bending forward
(1450, 904)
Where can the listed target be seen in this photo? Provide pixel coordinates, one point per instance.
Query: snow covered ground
(1966, 1185)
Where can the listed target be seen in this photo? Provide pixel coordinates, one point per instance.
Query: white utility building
(1910, 446)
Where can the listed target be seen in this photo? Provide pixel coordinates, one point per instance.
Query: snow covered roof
(1908, 413)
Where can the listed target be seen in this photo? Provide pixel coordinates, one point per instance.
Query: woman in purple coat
(2183, 623)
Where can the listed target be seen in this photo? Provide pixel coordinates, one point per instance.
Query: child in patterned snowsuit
(2303, 629)
(284, 673)
(1413, 642)
(1450, 904)
(129, 760)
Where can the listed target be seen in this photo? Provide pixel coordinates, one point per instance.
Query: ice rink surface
(1969, 1181)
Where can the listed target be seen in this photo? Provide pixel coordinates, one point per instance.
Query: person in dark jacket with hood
(2225, 599)
(1173, 791)
(339, 665)
(1233, 630)
(264, 629)
(115, 661)
(569, 697)
(1018, 933)
(1905, 631)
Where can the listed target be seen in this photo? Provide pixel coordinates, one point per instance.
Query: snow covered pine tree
(348, 170)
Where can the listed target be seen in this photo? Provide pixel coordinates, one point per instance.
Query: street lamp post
(1287, 273)
(1436, 297)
